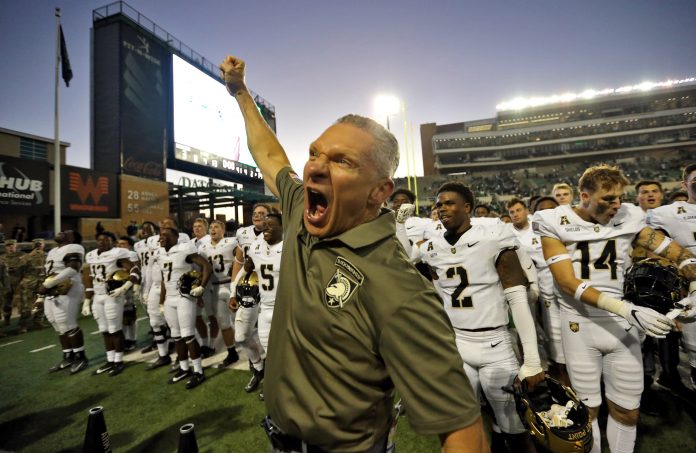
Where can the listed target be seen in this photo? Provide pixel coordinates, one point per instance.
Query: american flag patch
(295, 178)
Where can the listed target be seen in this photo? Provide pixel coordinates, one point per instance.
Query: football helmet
(554, 416)
(654, 283)
(188, 281)
(248, 293)
(117, 279)
(60, 289)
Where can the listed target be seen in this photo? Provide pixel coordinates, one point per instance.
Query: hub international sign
(24, 186)
(88, 193)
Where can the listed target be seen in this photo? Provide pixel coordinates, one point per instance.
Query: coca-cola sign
(133, 166)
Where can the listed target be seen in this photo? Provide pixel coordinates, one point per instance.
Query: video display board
(208, 125)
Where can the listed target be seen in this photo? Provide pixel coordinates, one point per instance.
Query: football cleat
(175, 367)
(207, 351)
(62, 365)
(196, 380)
(181, 374)
(654, 283)
(554, 416)
(231, 358)
(117, 369)
(104, 368)
(78, 365)
(161, 361)
(255, 381)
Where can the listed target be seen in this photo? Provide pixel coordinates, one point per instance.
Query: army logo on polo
(343, 284)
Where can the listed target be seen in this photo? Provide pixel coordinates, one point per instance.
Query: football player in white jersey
(550, 311)
(563, 193)
(201, 238)
(63, 264)
(219, 252)
(101, 263)
(157, 319)
(678, 221)
(478, 276)
(264, 258)
(131, 297)
(180, 303)
(142, 249)
(588, 250)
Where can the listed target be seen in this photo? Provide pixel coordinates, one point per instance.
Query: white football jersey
(155, 269)
(678, 220)
(200, 242)
(174, 264)
(245, 236)
(266, 260)
(102, 265)
(530, 243)
(600, 253)
(220, 256)
(468, 281)
(54, 259)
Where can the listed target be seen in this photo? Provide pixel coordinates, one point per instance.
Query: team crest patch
(574, 326)
(681, 210)
(343, 284)
(564, 220)
(294, 177)
(596, 228)
(453, 250)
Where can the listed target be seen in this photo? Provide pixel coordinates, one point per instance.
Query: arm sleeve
(419, 351)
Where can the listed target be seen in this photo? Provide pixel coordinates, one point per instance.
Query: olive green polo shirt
(353, 321)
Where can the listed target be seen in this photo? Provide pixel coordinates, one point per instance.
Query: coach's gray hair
(386, 149)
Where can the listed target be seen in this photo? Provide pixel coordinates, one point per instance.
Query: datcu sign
(23, 186)
(89, 193)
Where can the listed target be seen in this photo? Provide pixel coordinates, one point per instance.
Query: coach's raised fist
(232, 73)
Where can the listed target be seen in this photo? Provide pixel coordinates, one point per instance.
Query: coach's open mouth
(316, 207)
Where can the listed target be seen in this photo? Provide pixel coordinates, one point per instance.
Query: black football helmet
(61, 288)
(248, 294)
(535, 409)
(188, 281)
(654, 283)
(117, 279)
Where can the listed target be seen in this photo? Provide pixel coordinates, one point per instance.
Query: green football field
(42, 412)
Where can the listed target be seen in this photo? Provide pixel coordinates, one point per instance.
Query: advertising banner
(89, 193)
(24, 186)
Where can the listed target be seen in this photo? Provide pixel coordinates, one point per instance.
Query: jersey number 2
(459, 301)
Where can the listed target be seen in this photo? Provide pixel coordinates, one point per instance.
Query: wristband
(663, 246)
(557, 258)
(687, 262)
(612, 305)
(579, 290)
(89, 290)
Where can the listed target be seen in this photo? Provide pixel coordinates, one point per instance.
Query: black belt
(483, 329)
(285, 443)
(221, 282)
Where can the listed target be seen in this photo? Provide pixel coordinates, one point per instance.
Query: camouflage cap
(11, 242)
(37, 241)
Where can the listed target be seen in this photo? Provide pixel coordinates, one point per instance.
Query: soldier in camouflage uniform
(32, 274)
(11, 259)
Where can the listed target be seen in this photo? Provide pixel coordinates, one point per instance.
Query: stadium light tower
(386, 105)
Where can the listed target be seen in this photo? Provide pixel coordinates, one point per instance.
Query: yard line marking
(140, 319)
(11, 342)
(44, 348)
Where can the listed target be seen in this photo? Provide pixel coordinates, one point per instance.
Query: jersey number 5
(459, 301)
(266, 275)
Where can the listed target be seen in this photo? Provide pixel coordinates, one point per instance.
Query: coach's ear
(381, 193)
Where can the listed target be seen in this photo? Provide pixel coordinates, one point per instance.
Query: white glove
(85, 307)
(137, 289)
(405, 211)
(687, 313)
(648, 320)
(118, 292)
(527, 371)
(197, 291)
